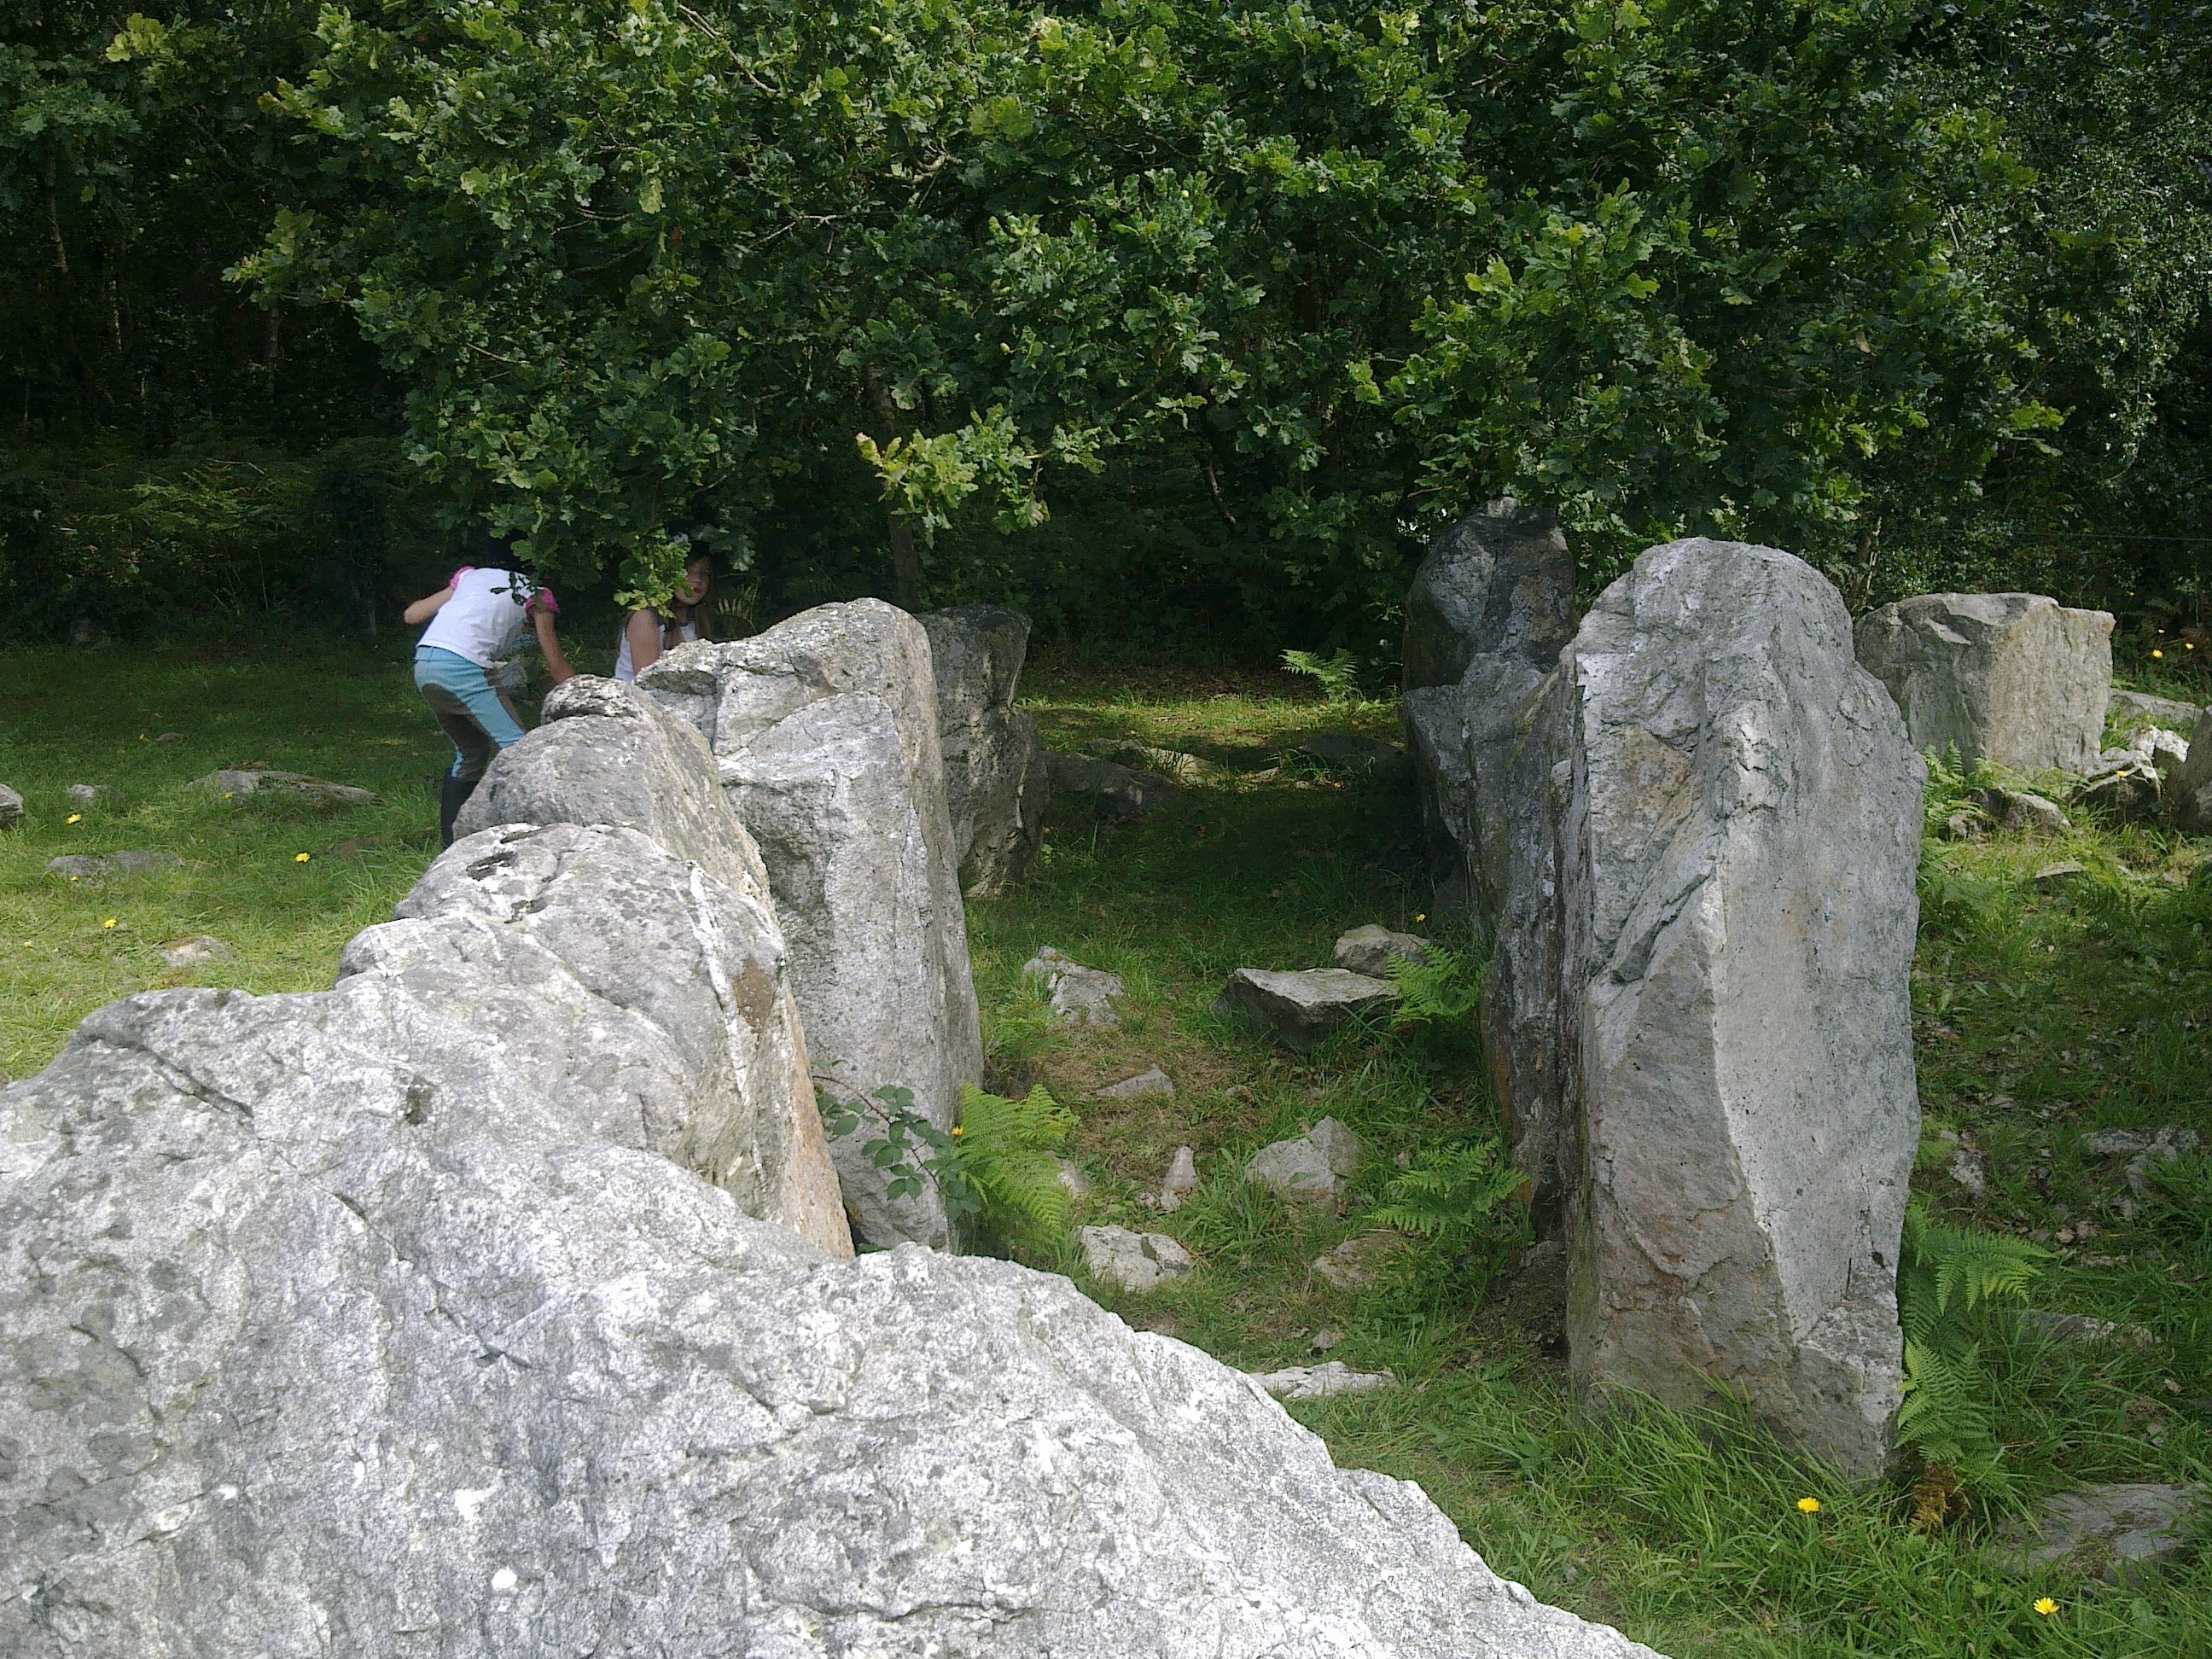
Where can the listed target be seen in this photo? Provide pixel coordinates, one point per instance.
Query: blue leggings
(473, 711)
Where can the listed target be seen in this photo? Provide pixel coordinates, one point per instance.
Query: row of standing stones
(1689, 822)
(502, 1298)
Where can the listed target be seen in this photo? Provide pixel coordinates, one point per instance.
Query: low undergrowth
(2043, 1013)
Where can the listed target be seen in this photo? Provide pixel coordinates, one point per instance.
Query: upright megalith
(996, 789)
(2016, 678)
(389, 1320)
(1489, 608)
(1741, 844)
(825, 730)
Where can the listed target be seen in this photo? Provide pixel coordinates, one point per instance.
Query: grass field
(2042, 1016)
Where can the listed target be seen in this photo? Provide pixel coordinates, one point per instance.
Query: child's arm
(423, 609)
(556, 665)
(643, 631)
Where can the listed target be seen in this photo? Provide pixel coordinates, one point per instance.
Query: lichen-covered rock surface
(2016, 678)
(996, 787)
(825, 732)
(380, 1322)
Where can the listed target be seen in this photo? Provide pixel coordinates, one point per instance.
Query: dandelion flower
(1809, 1506)
(2046, 1606)
(960, 1129)
(110, 922)
(1424, 916)
(299, 857)
(2157, 654)
(73, 817)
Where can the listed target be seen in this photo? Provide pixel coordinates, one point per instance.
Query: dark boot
(453, 796)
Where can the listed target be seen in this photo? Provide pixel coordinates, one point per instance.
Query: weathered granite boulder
(824, 729)
(11, 808)
(1077, 994)
(996, 786)
(2016, 678)
(326, 1325)
(1741, 838)
(2024, 812)
(2141, 709)
(1311, 1167)
(1130, 1261)
(1300, 1007)
(1489, 609)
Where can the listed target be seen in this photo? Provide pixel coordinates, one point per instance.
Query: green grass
(2040, 1016)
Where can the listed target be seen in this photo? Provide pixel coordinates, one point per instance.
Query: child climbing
(466, 662)
(647, 633)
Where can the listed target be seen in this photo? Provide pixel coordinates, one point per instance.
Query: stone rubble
(2120, 1532)
(1077, 994)
(1311, 1167)
(1300, 1007)
(1113, 792)
(1131, 1260)
(242, 783)
(1374, 949)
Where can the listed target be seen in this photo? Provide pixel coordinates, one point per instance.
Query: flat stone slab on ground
(1309, 1168)
(2117, 1532)
(11, 808)
(1111, 790)
(2025, 812)
(1300, 1007)
(1359, 1260)
(93, 866)
(1171, 763)
(234, 783)
(1322, 1381)
(1131, 1260)
(1084, 996)
(2159, 711)
(84, 797)
(1374, 949)
(1150, 1084)
(2058, 875)
(190, 952)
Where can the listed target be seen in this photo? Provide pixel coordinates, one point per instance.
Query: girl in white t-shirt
(476, 634)
(647, 634)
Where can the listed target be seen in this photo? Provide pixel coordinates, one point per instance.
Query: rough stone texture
(2120, 1532)
(1374, 949)
(1299, 1008)
(1173, 764)
(2024, 812)
(825, 730)
(1150, 1084)
(996, 787)
(1359, 1260)
(1710, 1056)
(96, 866)
(605, 754)
(11, 808)
(326, 1327)
(233, 783)
(1322, 1382)
(1130, 1261)
(2016, 678)
(1489, 609)
(1080, 995)
(90, 797)
(1106, 787)
(1309, 1168)
(2190, 784)
(2125, 793)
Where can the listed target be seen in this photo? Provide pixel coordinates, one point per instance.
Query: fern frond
(1438, 989)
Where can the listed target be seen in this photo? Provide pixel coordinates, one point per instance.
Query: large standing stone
(2016, 678)
(1741, 838)
(1489, 609)
(350, 1323)
(996, 788)
(824, 729)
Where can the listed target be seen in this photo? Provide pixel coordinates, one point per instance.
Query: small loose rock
(1150, 1084)
(233, 783)
(190, 952)
(1359, 1260)
(1374, 949)
(11, 808)
(2024, 812)
(1181, 1181)
(1080, 995)
(1310, 1168)
(1130, 1261)
(1322, 1382)
(1299, 1009)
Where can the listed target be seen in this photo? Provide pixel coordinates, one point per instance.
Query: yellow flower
(2158, 653)
(1424, 916)
(72, 817)
(1809, 1506)
(299, 857)
(960, 1129)
(2046, 1606)
(110, 922)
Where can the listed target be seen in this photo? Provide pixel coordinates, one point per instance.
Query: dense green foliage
(1212, 310)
